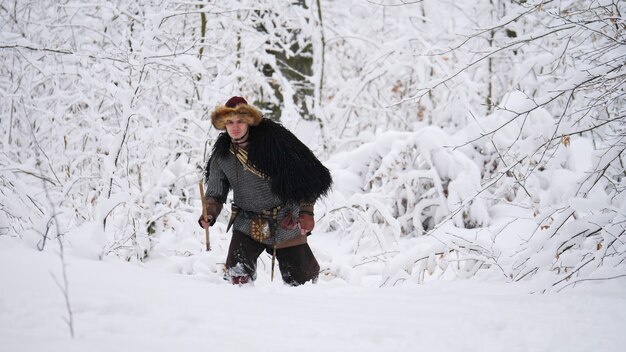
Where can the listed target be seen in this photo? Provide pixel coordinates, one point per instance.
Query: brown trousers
(297, 264)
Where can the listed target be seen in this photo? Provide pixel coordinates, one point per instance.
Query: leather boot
(240, 280)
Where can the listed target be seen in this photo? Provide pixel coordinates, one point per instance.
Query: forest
(466, 139)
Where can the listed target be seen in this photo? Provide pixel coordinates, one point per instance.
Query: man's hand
(207, 223)
(307, 222)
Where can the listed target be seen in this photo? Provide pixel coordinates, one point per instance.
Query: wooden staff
(204, 216)
(273, 262)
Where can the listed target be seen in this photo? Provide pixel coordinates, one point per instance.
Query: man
(276, 180)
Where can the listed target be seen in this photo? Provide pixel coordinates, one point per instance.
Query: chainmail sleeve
(217, 185)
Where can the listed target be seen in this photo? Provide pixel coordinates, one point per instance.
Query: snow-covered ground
(127, 307)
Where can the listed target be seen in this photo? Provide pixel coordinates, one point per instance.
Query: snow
(479, 193)
(122, 306)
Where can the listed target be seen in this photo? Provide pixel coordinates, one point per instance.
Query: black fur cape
(294, 171)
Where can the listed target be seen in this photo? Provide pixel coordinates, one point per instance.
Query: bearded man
(275, 180)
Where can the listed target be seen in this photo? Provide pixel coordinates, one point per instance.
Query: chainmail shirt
(251, 193)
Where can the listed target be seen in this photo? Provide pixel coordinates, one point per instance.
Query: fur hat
(235, 105)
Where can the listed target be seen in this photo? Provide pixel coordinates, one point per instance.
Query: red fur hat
(235, 106)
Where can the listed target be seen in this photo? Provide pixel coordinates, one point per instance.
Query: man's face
(236, 127)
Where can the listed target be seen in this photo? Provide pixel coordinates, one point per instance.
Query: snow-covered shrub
(399, 186)
(411, 181)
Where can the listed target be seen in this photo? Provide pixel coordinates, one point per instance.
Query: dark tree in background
(292, 53)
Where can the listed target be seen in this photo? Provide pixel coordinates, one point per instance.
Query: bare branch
(513, 44)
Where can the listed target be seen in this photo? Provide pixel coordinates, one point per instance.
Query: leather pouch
(260, 228)
(288, 223)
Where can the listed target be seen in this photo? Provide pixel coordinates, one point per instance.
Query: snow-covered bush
(530, 94)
